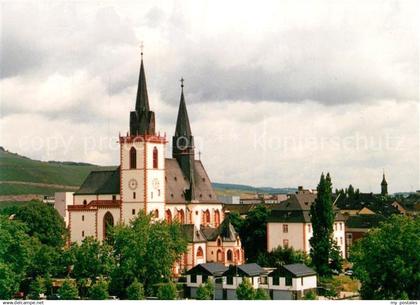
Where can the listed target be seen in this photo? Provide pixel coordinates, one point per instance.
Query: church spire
(142, 120)
(182, 123)
(384, 185)
(142, 99)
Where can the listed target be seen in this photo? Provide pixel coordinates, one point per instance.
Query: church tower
(183, 146)
(142, 164)
(384, 186)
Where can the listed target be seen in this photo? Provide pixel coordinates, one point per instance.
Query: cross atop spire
(182, 83)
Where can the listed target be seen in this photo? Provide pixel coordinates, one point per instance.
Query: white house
(289, 224)
(291, 282)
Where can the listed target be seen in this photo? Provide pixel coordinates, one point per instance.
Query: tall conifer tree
(322, 218)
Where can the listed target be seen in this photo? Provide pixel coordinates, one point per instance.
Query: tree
(236, 220)
(99, 290)
(92, 259)
(310, 295)
(167, 291)
(43, 222)
(16, 248)
(135, 291)
(206, 291)
(36, 288)
(145, 250)
(253, 232)
(245, 291)
(261, 294)
(68, 291)
(387, 260)
(283, 256)
(322, 218)
(336, 260)
(9, 282)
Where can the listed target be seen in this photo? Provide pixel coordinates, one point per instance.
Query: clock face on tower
(132, 184)
(155, 183)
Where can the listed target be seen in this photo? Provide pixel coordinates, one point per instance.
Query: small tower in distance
(384, 186)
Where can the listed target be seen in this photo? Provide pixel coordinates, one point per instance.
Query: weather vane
(141, 49)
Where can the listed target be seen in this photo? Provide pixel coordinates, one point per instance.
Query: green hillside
(18, 172)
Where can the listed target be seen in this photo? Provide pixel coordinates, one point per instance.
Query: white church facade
(170, 189)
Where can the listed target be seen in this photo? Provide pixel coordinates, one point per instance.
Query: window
(156, 213)
(349, 235)
(341, 226)
(84, 202)
(205, 277)
(83, 233)
(263, 280)
(219, 243)
(108, 223)
(288, 281)
(133, 211)
(217, 218)
(83, 217)
(229, 255)
(193, 278)
(155, 157)
(168, 216)
(199, 252)
(335, 226)
(341, 240)
(133, 158)
(229, 280)
(285, 243)
(134, 195)
(276, 280)
(114, 197)
(285, 228)
(159, 193)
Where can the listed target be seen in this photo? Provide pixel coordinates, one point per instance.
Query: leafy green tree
(36, 288)
(45, 261)
(135, 291)
(144, 250)
(206, 291)
(43, 222)
(92, 259)
(167, 291)
(68, 291)
(283, 256)
(245, 291)
(16, 248)
(9, 282)
(253, 232)
(336, 260)
(322, 218)
(236, 220)
(261, 294)
(99, 290)
(387, 260)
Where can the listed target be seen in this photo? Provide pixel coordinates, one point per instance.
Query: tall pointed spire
(142, 120)
(183, 146)
(182, 123)
(384, 185)
(142, 99)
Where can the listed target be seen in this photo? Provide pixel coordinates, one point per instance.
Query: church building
(171, 189)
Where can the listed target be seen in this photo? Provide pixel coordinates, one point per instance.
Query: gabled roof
(225, 230)
(191, 233)
(244, 270)
(214, 269)
(293, 270)
(177, 183)
(101, 182)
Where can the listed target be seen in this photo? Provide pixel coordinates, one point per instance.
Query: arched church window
(168, 216)
(229, 255)
(216, 218)
(155, 157)
(156, 213)
(180, 216)
(200, 252)
(108, 223)
(219, 255)
(238, 255)
(133, 158)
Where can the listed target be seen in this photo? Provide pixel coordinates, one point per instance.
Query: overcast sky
(277, 92)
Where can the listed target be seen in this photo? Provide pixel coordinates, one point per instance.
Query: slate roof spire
(384, 185)
(182, 122)
(142, 120)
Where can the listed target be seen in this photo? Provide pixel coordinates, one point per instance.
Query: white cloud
(286, 73)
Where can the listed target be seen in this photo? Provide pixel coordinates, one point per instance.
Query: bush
(99, 290)
(245, 291)
(206, 291)
(167, 291)
(135, 291)
(68, 291)
(310, 295)
(261, 294)
(36, 288)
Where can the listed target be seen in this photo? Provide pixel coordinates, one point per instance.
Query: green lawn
(7, 204)
(24, 189)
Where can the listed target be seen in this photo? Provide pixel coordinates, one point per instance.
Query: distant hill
(20, 175)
